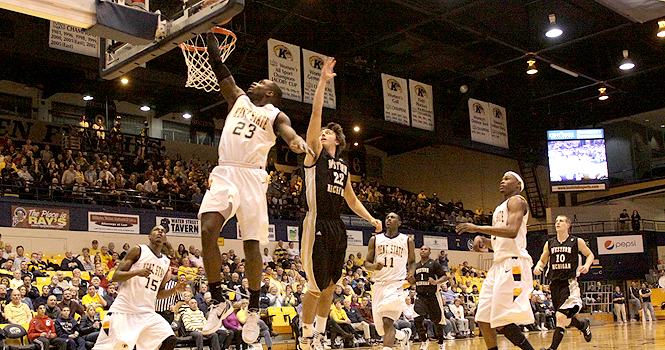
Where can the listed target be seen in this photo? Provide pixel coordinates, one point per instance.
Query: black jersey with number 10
(325, 182)
(564, 258)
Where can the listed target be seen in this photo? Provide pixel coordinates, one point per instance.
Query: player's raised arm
(285, 131)
(314, 128)
(122, 273)
(357, 207)
(540, 265)
(227, 85)
(165, 293)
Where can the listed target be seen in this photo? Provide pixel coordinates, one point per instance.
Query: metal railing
(602, 226)
(598, 300)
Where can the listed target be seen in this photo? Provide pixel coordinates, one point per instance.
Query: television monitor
(577, 160)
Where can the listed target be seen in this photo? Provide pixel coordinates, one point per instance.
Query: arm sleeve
(33, 333)
(187, 321)
(58, 330)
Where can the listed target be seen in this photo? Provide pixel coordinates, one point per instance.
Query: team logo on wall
(282, 51)
(469, 244)
(478, 108)
(36, 217)
(18, 216)
(316, 62)
(497, 113)
(420, 91)
(394, 85)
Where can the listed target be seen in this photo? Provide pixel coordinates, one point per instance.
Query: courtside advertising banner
(620, 244)
(422, 107)
(36, 217)
(271, 233)
(395, 99)
(180, 226)
(116, 223)
(436, 243)
(284, 68)
(354, 237)
(498, 126)
(292, 233)
(312, 63)
(480, 122)
(73, 39)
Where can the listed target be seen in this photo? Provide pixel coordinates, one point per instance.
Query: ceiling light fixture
(186, 115)
(554, 30)
(661, 29)
(626, 63)
(88, 98)
(145, 108)
(531, 69)
(355, 144)
(124, 80)
(356, 128)
(603, 95)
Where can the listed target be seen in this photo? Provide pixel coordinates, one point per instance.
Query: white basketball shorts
(387, 301)
(504, 297)
(145, 331)
(239, 191)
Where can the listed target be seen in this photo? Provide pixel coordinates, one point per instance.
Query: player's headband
(519, 179)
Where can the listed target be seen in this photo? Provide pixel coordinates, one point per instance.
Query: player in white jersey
(132, 320)
(388, 255)
(238, 184)
(504, 299)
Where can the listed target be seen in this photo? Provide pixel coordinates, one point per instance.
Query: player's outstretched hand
(477, 243)
(377, 224)
(180, 286)
(584, 269)
(466, 227)
(411, 279)
(300, 146)
(537, 270)
(378, 266)
(144, 272)
(327, 72)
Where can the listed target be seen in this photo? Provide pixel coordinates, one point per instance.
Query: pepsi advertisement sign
(620, 244)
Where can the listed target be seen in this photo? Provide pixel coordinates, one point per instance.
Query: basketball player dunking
(504, 298)
(323, 240)
(562, 252)
(388, 255)
(132, 318)
(238, 184)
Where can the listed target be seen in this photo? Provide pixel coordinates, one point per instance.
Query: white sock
(387, 348)
(399, 334)
(321, 324)
(307, 330)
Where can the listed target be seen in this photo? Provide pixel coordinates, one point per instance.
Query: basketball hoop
(199, 72)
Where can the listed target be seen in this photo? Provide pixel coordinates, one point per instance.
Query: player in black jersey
(428, 274)
(323, 240)
(562, 252)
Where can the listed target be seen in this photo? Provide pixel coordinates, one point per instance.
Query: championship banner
(73, 39)
(271, 233)
(36, 217)
(434, 242)
(292, 233)
(116, 223)
(312, 63)
(180, 226)
(395, 99)
(480, 121)
(422, 107)
(498, 126)
(354, 237)
(620, 244)
(284, 68)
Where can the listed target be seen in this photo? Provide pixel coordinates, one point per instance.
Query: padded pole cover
(124, 24)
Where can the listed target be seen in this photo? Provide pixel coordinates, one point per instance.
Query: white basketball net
(199, 72)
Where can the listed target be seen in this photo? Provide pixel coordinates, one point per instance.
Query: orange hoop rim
(216, 30)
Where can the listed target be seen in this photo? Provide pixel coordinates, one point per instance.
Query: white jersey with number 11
(394, 254)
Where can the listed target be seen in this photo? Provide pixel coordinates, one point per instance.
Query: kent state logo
(478, 108)
(394, 85)
(282, 51)
(316, 62)
(420, 91)
(497, 113)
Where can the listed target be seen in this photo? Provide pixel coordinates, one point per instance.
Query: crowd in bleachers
(104, 175)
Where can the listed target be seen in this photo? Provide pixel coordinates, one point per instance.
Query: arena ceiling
(483, 44)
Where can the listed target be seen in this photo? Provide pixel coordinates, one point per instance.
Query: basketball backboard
(116, 57)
